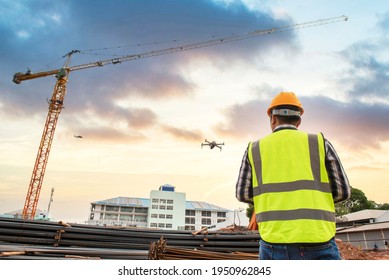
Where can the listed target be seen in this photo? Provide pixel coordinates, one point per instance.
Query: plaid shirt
(339, 183)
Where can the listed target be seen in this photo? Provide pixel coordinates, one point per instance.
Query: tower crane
(57, 100)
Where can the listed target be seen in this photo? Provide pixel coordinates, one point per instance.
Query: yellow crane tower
(57, 100)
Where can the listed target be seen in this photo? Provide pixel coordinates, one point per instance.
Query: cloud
(384, 22)
(248, 120)
(367, 77)
(115, 121)
(108, 134)
(354, 124)
(149, 84)
(182, 133)
(101, 100)
(128, 23)
(359, 116)
(31, 27)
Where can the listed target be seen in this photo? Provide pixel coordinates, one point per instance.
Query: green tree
(384, 206)
(357, 202)
(249, 210)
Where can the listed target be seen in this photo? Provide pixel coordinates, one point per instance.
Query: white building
(119, 211)
(165, 209)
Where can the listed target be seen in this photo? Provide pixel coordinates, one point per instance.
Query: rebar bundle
(27, 239)
(161, 251)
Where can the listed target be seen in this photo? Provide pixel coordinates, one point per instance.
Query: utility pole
(50, 201)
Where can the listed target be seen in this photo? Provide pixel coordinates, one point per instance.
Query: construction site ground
(349, 252)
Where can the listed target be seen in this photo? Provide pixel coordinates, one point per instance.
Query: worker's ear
(298, 122)
(273, 121)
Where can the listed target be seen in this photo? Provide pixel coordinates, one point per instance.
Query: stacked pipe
(34, 252)
(48, 239)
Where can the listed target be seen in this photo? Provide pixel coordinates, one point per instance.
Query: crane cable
(212, 42)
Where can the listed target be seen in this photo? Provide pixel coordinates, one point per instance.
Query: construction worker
(294, 180)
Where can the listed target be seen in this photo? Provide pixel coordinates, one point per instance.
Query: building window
(161, 225)
(141, 210)
(125, 217)
(169, 216)
(101, 216)
(109, 216)
(221, 214)
(206, 213)
(190, 221)
(162, 216)
(169, 207)
(155, 200)
(154, 215)
(170, 201)
(189, 228)
(163, 207)
(154, 206)
(140, 218)
(112, 208)
(169, 226)
(221, 220)
(162, 200)
(205, 221)
(190, 213)
(153, 225)
(126, 209)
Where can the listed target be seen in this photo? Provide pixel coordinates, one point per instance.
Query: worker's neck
(284, 126)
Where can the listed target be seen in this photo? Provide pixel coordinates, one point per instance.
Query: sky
(143, 121)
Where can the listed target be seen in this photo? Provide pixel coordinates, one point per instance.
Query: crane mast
(57, 100)
(55, 107)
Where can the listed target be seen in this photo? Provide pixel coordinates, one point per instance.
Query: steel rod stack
(28, 239)
(161, 251)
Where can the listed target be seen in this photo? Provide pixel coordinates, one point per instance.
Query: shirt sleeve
(244, 190)
(339, 183)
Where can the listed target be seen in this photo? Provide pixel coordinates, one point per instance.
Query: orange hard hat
(285, 98)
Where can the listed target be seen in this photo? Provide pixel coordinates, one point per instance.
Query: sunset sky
(143, 121)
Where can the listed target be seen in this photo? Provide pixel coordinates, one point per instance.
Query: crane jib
(19, 77)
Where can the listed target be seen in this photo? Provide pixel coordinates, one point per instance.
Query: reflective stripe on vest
(294, 206)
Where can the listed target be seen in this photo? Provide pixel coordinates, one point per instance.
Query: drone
(78, 136)
(212, 144)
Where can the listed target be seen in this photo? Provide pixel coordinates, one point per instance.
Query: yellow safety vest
(292, 196)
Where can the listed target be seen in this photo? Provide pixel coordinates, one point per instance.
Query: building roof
(199, 205)
(383, 218)
(363, 215)
(366, 227)
(125, 201)
(145, 202)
